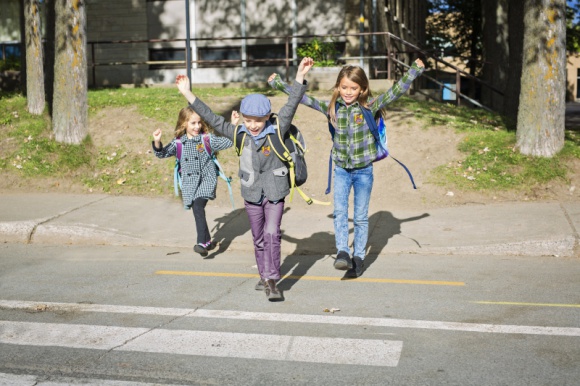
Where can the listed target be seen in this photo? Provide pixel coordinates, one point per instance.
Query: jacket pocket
(246, 178)
(281, 172)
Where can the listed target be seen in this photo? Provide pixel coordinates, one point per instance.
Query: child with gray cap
(263, 176)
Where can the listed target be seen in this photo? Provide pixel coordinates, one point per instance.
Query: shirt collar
(268, 129)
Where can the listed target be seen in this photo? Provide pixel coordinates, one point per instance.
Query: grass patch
(489, 160)
(161, 103)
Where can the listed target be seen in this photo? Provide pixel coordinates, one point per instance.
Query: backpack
(205, 139)
(290, 150)
(379, 130)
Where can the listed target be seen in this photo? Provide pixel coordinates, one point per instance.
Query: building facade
(145, 41)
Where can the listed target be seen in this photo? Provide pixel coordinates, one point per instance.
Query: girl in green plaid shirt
(353, 152)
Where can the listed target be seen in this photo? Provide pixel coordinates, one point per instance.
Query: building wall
(573, 77)
(112, 21)
(211, 24)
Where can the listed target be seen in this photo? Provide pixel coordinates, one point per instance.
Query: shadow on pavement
(227, 228)
(300, 261)
(382, 227)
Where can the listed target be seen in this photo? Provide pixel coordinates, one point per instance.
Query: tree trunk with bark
(495, 52)
(540, 127)
(35, 97)
(69, 120)
(516, 44)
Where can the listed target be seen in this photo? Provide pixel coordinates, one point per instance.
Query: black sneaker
(357, 269)
(211, 246)
(198, 248)
(343, 261)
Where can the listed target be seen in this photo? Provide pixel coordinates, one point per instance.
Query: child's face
(255, 125)
(194, 125)
(349, 90)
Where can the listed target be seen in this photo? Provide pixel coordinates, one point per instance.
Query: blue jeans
(362, 181)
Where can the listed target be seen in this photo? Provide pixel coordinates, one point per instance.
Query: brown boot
(272, 292)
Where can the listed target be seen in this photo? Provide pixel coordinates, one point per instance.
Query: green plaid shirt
(354, 144)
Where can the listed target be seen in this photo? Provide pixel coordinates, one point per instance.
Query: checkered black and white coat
(198, 172)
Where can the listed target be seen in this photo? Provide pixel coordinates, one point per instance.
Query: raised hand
(271, 78)
(305, 65)
(157, 135)
(235, 117)
(182, 82)
(420, 63)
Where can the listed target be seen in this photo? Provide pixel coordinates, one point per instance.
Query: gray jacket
(261, 171)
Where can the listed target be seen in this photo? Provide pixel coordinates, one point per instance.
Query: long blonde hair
(356, 75)
(182, 120)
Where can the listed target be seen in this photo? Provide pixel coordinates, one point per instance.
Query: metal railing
(393, 63)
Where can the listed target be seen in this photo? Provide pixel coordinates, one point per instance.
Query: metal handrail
(390, 56)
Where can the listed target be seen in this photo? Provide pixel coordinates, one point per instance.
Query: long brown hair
(182, 120)
(356, 75)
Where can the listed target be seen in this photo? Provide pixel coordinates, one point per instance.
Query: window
(212, 57)
(166, 55)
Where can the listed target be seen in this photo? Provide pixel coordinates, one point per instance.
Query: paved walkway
(532, 229)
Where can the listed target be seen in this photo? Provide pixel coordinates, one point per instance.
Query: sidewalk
(531, 229)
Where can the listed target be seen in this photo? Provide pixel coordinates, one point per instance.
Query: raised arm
(276, 82)
(217, 122)
(297, 91)
(400, 87)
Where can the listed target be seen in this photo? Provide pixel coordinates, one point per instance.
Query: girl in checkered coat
(198, 171)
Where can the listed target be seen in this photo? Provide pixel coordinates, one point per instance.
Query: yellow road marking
(529, 304)
(315, 278)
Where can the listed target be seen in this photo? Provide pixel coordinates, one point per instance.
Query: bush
(323, 53)
(10, 63)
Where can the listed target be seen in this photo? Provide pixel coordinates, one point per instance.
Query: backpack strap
(205, 139)
(239, 139)
(382, 151)
(331, 129)
(279, 147)
(177, 183)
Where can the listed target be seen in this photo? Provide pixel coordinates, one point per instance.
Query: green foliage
(491, 162)
(161, 103)
(30, 148)
(323, 53)
(454, 27)
(10, 64)
(573, 26)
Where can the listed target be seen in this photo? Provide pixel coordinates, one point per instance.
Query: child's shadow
(303, 258)
(382, 227)
(227, 228)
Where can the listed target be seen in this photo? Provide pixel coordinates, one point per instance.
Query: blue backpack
(379, 131)
(177, 183)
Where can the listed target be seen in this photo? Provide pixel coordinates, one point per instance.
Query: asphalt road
(162, 315)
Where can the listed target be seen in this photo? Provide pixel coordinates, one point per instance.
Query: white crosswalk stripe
(33, 380)
(298, 318)
(206, 343)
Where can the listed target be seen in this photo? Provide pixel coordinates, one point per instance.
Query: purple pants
(265, 220)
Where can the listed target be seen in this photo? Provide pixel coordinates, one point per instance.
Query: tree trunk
(69, 120)
(34, 58)
(49, 49)
(516, 44)
(540, 129)
(495, 52)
